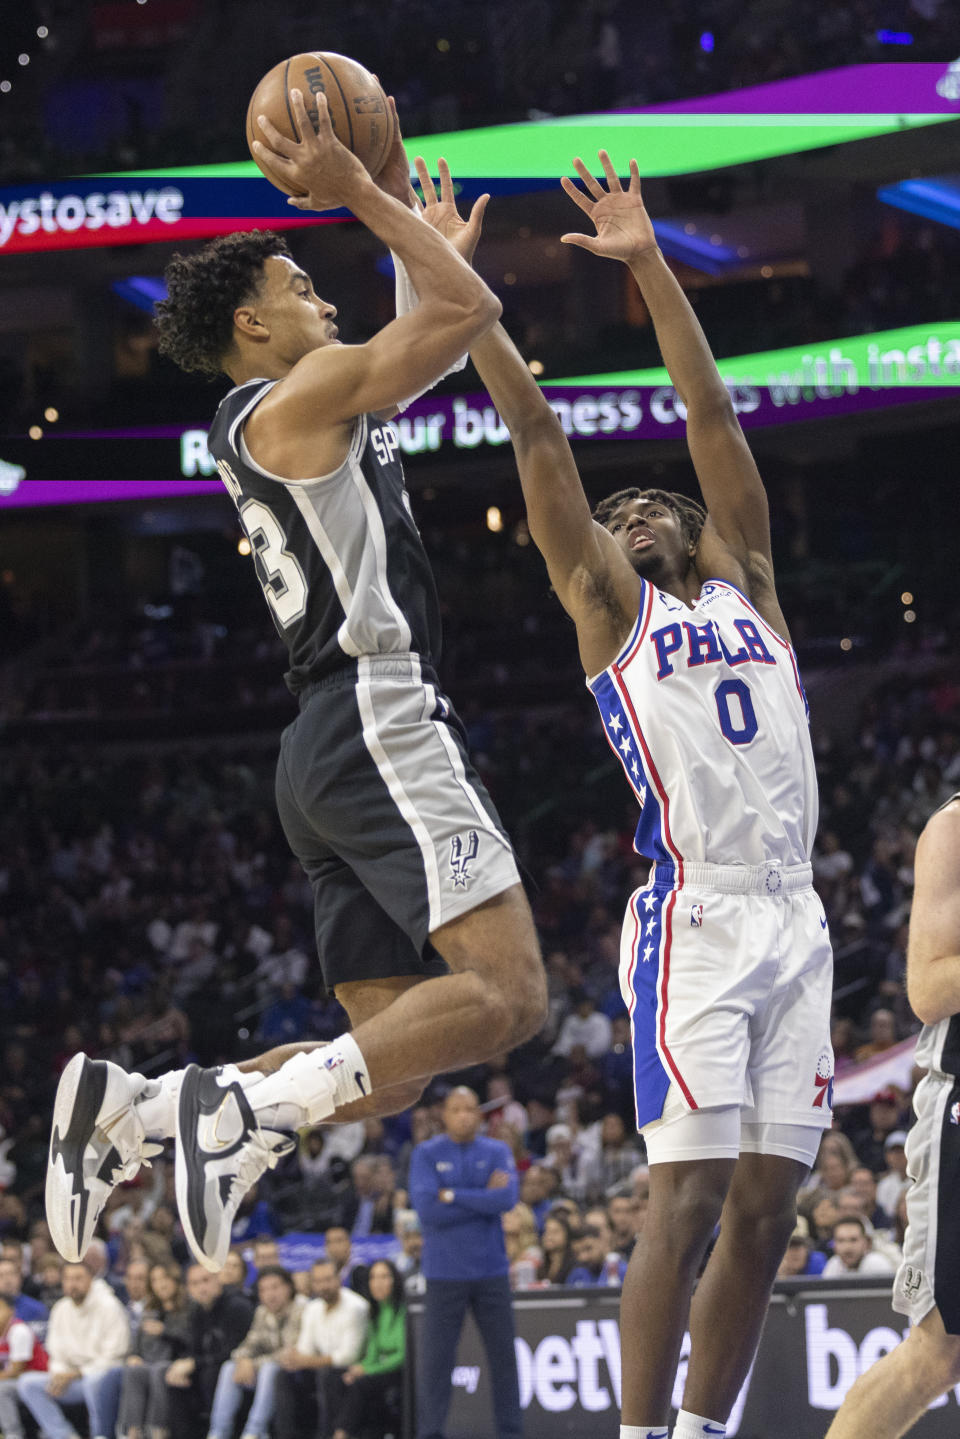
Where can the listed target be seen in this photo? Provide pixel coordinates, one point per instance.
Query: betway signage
(817, 1342)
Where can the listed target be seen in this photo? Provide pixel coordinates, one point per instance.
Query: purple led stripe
(882, 89)
(72, 492)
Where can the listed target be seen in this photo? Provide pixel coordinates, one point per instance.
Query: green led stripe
(663, 144)
(926, 355)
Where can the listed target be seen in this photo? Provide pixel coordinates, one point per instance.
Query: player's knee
(694, 1213)
(762, 1223)
(528, 998)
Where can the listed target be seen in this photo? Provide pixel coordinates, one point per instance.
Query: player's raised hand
(624, 229)
(317, 163)
(441, 211)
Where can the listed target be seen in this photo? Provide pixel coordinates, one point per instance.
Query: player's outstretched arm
(580, 555)
(732, 489)
(412, 351)
(933, 957)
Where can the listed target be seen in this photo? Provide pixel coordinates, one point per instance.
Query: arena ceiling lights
(834, 107)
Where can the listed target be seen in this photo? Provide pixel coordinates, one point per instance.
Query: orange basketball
(361, 118)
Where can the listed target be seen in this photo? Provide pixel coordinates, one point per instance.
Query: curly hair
(195, 321)
(691, 516)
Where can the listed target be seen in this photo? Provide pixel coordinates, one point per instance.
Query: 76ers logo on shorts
(463, 851)
(823, 1081)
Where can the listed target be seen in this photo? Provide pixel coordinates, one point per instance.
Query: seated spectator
(585, 1026)
(594, 1264)
(893, 1181)
(408, 1230)
(371, 1400)
(623, 1213)
(618, 1155)
(836, 1159)
(31, 1311)
(87, 1340)
(253, 1365)
(20, 1353)
(521, 1242)
(332, 1337)
(864, 1185)
(234, 1272)
(219, 1319)
(338, 1249)
(557, 1243)
(539, 1187)
(569, 1160)
(50, 1280)
(163, 1335)
(136, 1281)
(823, 1218)
(368, 1208)
(800, 1257)
(266, 1253)
(883, 1035)
(853, 1252)
(885, 1116)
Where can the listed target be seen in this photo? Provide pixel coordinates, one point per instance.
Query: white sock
(157, 1105)
(644, 1431)
(310, 1086)
(694, 1426)
(157, 1101)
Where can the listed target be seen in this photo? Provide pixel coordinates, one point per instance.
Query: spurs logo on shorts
(911, 1279)
(461, 856)
(823, 1081)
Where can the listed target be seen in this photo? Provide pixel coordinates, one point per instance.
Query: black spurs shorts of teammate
(930, 1272)
(392, 824)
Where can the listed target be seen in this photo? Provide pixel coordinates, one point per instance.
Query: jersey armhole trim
(624, 655)
(357, 446)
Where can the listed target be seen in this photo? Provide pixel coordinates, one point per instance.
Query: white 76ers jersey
(705, 710)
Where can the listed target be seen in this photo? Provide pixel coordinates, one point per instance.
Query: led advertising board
(833, 107)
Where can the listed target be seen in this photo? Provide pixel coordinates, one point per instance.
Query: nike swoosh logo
(221, 1143)
(358, 1077)
(823, 925)
(713, 1428)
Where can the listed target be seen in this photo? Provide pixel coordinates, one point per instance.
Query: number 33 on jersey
(701, 706)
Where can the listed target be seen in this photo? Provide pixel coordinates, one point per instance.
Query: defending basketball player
(423, 930)
(725, 964)
(894, 1394)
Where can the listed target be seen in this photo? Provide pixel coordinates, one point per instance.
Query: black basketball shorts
(388, 817)
(930, 1272)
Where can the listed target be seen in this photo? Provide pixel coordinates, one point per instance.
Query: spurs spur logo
(462, 856)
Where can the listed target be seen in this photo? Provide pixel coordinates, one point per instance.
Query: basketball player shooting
(423, 930)
(725, 962)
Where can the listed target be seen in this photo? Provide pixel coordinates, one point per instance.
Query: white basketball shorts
(727, 972)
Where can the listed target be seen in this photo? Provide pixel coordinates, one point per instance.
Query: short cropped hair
(195, 321)
(691, 516)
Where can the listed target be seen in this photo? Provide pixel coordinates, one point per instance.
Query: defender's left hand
(442, 212)
(624, 229)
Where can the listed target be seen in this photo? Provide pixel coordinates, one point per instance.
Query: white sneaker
(96, 1142)
(221, 1153)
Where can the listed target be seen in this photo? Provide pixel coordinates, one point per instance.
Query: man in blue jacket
(460, 1185)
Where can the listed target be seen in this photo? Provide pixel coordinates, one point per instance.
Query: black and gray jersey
(339, 558)
(938, 1047)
